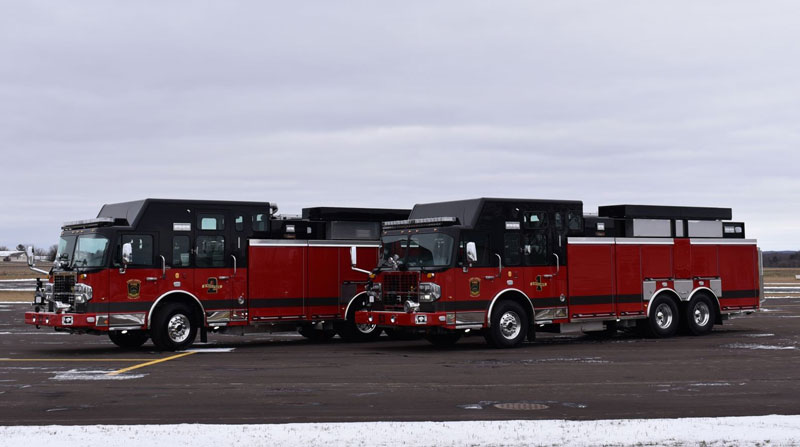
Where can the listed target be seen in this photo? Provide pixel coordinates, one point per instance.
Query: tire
(699, 315)
(129, 340)
(443, 339)
(664, 318)
(352, 332)
(509, 325)
(316, 335)
(174, 327)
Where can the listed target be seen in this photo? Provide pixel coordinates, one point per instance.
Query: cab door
(135, 287)
(543, 248)
(213, 262)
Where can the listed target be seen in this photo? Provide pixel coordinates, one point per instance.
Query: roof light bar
(91, 223)
(421, 223)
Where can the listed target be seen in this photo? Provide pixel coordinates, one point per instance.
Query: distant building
(12, 256)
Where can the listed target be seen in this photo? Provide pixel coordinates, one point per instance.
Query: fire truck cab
(511, 267)
(168, 269)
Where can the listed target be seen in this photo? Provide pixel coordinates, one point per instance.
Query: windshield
(419, 250)
(82, 251)
(66, 245)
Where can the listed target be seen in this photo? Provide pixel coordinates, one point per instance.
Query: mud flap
(531, 333)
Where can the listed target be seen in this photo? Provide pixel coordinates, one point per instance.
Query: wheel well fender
(358, 296)
(671, 294)
(178, 296)
(515, 295)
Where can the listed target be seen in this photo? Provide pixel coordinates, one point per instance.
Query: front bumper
(68, 321)
(384, 318)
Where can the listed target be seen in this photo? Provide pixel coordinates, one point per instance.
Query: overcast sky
(387, 104)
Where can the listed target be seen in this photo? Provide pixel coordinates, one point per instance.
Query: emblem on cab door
(474, 287)
(134, 288)
(212, 285)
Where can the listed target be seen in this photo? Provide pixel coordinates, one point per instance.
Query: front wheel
(128, 339)
(699, 317)
(663, 320)
(174, 328)
(509, 325)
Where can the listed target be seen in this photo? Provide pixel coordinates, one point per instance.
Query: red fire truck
(511, 267)
(166, 269)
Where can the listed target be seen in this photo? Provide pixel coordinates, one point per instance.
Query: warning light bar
(421, 223)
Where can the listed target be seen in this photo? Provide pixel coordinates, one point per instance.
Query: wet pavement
(749, 366)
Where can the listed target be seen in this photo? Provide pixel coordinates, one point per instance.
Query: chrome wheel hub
(366, 328)
(702, 314)
(509, 325)
(663, 316)
(178, 328)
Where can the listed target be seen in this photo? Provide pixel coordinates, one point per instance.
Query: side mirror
(354, 261)
(127, 253)
(472, 252)
(29, 254)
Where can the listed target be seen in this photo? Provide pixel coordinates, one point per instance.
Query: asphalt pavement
(748, 366)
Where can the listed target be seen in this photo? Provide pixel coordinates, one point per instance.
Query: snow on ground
(729, 431)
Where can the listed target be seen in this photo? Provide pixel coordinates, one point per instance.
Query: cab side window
(141, 249)
(511, 249)
(213, 222)
(180, 251)
(210, 251)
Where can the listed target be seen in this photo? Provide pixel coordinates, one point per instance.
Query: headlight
(375, 289)
(429, 292)
(83, 293)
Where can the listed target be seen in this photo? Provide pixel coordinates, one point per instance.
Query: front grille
(399, 287)
(63, 287)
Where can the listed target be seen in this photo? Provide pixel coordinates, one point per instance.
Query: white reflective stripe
(645, 241)
(590, 240)
(723, 241)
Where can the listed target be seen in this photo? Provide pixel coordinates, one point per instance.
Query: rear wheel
(663, 320)
(509, 325)
(174, 327)
(699, 316)
(129, 339)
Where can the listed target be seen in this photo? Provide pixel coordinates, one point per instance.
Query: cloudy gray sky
(388, 104)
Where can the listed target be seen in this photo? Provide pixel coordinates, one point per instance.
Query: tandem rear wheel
(664, 318)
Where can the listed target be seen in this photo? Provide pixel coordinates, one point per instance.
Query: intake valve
(410, 306)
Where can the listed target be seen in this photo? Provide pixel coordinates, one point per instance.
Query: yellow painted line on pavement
(153, 362)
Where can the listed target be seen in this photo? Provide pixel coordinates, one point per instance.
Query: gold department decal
(134, 288)
(212, 285)
(474, 287)
(538, 283)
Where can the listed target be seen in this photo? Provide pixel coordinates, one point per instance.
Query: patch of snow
(77, 374)
(210, 350)
(759, 335)
(739, 431)
(755, 346)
